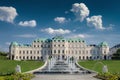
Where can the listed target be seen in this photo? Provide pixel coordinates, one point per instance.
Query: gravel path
(64, 77)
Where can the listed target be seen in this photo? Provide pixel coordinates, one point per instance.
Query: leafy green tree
(116, 56)
(3, 55)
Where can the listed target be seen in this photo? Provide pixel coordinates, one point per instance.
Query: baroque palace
(58, 46)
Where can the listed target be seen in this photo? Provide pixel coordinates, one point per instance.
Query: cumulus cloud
(7, 43)
(80, 36)
(60, 19)
(26, 35)
(80, 10)
(55, 31)
(31, 23)
(8, 14)
(95, 21)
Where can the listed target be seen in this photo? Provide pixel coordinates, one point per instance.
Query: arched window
(31, 57)
(63, 51)
(27, 52)
(79, 57)
(19, 52)
(34, 58)
(87, 57)
(90, 57)
(27, 57)
(83, 57)
(16, 57)
(38, 58)
(23, 57)
(54, 51)
(58, 51)
(20, 57)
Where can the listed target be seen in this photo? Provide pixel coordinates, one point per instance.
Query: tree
(116, 56)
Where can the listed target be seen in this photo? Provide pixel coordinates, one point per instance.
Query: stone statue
(105, 69)
(18, 69)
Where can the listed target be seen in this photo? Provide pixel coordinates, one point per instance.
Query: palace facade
(58, 46)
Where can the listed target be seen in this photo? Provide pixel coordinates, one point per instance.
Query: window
(27, 57)
(63, 40)
(37, 52)
(54, 51)
(20, 57)
(12, 51)
(83, 57)
(23, 57)
(63, 45)
(48, 46)
(63, 51)
(38, 58)
(79, 57)
(34, 57)
(34, 45)
(27, 52)
(86, 52)
(45, 51)
(54, 45)
(58, 40)
(38, 46)
(72, 52)
(58, 51)
(58, 45)
(87, 57)
(79, 52)
(76, 52)
(31, 57)
(83, 52)
(23, 52)
(104, 51)
(41, 45)
(30, 52)
(34, 52)
(16, 57)
(69, 51)
(20, 52)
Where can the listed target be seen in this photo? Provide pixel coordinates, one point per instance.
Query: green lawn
(113, 65)
(7, 66)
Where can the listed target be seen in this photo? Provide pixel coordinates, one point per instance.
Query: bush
(108, 76)
(19, 76)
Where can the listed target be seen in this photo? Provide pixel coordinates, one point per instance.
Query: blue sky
(93, 20)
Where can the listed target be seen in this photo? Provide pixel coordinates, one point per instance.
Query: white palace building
(58, 46)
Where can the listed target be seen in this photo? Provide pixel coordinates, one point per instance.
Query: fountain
(60, 65)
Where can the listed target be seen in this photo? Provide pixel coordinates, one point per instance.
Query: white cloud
(60, 19)
(7, 43)
(80, 36)
(31, 23)
(95, 21)
(26, 36)
(55, 31)
(80, 10)
(8, 14)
